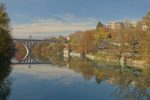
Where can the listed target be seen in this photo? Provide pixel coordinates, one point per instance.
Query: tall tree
(101, 33)
(145, 44)
(146, 19)
(86, 42)
(99, 25)
(5, 38)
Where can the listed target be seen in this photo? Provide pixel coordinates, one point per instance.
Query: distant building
(144, 27)
(111, 25)
(122, 24)
(127, 23)
(134, 23)
(119, 25)
(115, 25)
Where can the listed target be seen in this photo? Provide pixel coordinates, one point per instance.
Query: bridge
(29, 44)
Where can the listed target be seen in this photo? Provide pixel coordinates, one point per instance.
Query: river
(73, 79)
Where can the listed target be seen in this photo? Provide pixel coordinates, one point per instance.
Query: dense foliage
(45, 50)
(130, 41)
(5, 38)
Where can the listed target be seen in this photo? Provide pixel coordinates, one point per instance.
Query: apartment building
(122, 24)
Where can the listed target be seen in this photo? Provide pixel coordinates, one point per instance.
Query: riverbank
(105, 57)
(111, 59)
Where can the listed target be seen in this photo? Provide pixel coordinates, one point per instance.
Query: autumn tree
(146, 19)
(86, 45)
(145, 44)
(101, 33)
(89, 41)
(75, 40)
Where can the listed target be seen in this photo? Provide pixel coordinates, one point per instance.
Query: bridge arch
(19, 46)
(28, 44)
(26, 48)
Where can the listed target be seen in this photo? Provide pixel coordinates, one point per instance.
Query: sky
(43, 18)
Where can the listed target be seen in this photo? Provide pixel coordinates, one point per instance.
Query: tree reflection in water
(132, 83)
(131, 86)
(5, 81)
(57, 59)
(87, 68)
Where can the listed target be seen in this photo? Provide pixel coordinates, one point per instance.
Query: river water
(74, 79)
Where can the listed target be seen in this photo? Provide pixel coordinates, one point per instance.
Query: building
(111, 25)
(118, 25)
(115, 25)
(144, 27)
(134, 23)
(128, 24)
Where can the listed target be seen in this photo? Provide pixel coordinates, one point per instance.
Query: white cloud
(61, 75)
(67, 23)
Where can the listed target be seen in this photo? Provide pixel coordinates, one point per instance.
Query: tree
(86, 42)
(145, 46)
(146, 19)
(132, 39)
(75, 40)
(101, 33)
(145, 43)
(6, 43)
(99, 25)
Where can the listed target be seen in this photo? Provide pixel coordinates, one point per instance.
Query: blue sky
(66, 16)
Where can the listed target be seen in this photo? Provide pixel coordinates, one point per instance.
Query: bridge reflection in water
(29, 44)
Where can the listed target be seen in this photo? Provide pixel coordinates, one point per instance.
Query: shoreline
(134, 63)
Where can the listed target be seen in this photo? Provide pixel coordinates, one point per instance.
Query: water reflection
(57, 59)
(132, 83)
(123, 83)
(87, 68)
(131, 86)
(5, 81)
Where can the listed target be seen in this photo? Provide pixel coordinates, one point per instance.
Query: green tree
(99, 25)
(6, 43)
(101, 33)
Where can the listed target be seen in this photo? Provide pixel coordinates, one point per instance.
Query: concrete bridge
(29, 44)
